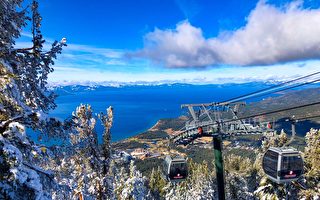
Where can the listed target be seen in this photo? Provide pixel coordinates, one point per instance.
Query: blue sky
(201, 41)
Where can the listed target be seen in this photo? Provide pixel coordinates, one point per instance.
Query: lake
(137, 108)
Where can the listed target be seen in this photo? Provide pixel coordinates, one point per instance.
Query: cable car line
(246, 96)
(258, 92)
(283, 89)
(251, 96)
(274, 111)
(268, 113)
(308, 117)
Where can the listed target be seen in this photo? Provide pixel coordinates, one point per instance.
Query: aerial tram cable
(195, 135)
(284, 165)
(245, 96)
(269, 112)
(280, 90)
(275, 111)
(308, 117)
(251, 95)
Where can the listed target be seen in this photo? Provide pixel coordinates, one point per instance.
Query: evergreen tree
(20, 177)
(157, 183)
(24, 100)
(135, 186)
(87, 171)
(312, 165)
(239, 171)
(107, 121)
(119, 181)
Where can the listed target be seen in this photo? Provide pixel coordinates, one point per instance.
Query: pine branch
(23, 50)
(49, 175)
(4, 125)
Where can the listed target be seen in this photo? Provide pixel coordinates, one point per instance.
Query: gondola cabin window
(178, 170)
(291, 167)
(270, 163)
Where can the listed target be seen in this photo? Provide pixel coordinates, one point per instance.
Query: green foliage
(276, 140)
(145, 166)
(238, 164)
(157, 183)
(244, 153)
(153, 135)
(200, 155)
(132, 144)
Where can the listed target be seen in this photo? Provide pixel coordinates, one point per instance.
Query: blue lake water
(137, 108)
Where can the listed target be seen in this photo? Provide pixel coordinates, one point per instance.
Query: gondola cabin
(175, 169)
(282, 165)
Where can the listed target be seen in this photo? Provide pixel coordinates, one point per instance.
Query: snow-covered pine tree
(157, 183)
(26, 99)
(135, 186)
(107, 120)
(239, 171)
(108, 176)
(9, 31)
(312, 165)
(88, 163)
(120, 178)
(23, 101)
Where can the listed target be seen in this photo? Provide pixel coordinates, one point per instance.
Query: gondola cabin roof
(175, 159)
(284, 150)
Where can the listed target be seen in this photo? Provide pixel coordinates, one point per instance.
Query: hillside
(285, 100)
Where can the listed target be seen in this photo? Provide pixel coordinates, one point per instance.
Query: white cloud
(271, 35)
(106, 52)
(83, 55)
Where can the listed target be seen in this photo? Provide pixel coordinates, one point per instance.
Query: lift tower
(217, 120)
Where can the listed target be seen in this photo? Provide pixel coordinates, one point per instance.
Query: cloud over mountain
(271, 35)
